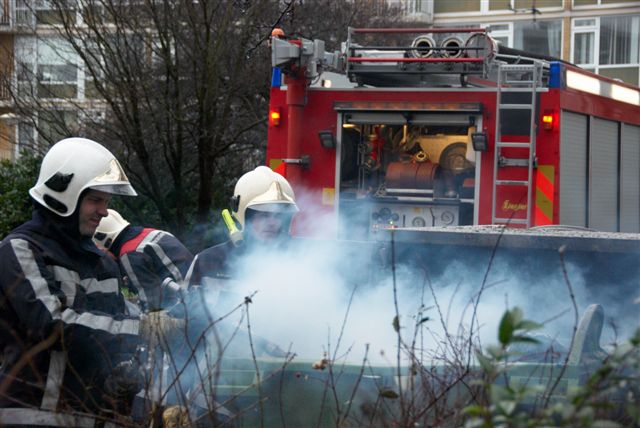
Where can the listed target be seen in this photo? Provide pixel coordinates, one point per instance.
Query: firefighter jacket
(213, 292)
(214, 264)
(155, 264)
(62, 325)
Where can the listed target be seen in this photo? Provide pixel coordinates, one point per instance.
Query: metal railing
(5, 92)
(17, 14)
(5, 12)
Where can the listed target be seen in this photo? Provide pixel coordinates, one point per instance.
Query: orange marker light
(547, 121)
(274, 117)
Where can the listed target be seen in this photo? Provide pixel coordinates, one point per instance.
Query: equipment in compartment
(422, 161)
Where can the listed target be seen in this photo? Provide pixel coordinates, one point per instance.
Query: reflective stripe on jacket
(155, 263)
(62, 322)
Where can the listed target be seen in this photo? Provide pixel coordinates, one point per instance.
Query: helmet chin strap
(69, 225)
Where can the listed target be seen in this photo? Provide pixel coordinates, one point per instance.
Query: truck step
(519, 145)
(512, 182)
(515, 106)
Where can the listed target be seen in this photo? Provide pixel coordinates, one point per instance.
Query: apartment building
(38, 65)
(598, 35)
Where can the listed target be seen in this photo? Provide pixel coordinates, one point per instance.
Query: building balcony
(5, 94)
(5, 14)
(18, 15)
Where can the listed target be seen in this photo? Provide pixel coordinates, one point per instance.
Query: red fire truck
(428, 128)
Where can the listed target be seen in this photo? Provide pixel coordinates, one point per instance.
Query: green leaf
(507, 406)
(495, 352)
(528, 325)
(388, 393)
(485, 363)
(396, 323)
(526, 339)
(423, 320)
(505, 330)
(516, 315)
(16, 178)
(634, 411)
(499, 392)
(475, 410)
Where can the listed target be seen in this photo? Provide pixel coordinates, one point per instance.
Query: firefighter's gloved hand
(125, 381)
(157, 326)
(176, 417)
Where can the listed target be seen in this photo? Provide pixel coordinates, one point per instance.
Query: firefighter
(66, 345)
(154, 261)
(263, 205)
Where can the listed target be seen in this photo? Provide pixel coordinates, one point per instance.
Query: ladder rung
(515, 67)
(511, 220)
(514, 145)
(515, 106)
(526, 89)
(512, 182)
(515, 162)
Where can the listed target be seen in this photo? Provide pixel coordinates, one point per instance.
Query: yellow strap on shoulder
(234, 234)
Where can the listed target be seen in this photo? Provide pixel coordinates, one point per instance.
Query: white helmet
(109, 229)
(73, 165)
(262, 190)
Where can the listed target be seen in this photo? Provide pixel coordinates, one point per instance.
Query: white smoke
(323, 295)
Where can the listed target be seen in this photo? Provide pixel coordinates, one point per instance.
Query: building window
(585, 38)
(500, 5)
(26, 136)
(600, 2)
(502, 33)
(609, 46)
(527, 4)
(619, 39)
(57, 69)
(24, 13)
(448, 6)
(412, 7)
(48, 15)
(540, 37)
(584, 47)
(47, 68)
(25, 66)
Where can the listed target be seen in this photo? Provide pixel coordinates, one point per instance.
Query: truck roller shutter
(630, 179)
(603, 176)
(573, 169)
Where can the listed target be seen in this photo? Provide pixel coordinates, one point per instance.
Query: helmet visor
(275, 207)
(117, 189)
(113, 180)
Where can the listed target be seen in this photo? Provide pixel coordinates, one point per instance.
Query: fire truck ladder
(510, 87)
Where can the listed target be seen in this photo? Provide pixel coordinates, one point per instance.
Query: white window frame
(49, 42)
(410, 7)
(484, 8)
(595, 30)
(601, 5)
(508, 33)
